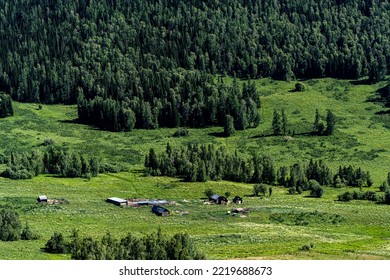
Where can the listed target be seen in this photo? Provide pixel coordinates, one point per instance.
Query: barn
(237, 200)
(117, 201)
(42, 199)
(160, 211)
(218, 199)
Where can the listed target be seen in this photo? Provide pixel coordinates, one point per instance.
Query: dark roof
(237, 198)
(159, 209)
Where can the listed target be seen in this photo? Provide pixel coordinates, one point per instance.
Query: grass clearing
(276, 227)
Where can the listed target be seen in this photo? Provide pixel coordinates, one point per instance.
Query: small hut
(218, 199)
(237, 200)
(42, 199)
(117, 201)
(160, 211)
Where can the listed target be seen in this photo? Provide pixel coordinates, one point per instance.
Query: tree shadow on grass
(218, 134)
(383, 112)
(295, 134)
(76, 121)
(361, 82)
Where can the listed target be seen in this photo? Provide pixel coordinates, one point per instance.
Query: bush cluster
(155, 246)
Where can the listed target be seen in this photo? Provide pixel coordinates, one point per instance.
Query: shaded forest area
(156, 59)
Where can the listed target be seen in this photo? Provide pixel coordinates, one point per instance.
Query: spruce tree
(276, 124)
(284, 123)
(229, 125)
(330, 123)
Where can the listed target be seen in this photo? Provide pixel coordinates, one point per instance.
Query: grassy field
(276, 227)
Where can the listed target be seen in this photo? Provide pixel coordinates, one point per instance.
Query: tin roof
(116, 199)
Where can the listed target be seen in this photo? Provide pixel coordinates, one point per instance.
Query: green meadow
(282, 226)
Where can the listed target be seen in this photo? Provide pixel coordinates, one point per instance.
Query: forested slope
(155, 59)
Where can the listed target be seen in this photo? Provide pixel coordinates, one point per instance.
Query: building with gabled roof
(160, 211)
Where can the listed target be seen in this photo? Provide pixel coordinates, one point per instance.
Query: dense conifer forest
(151, 63)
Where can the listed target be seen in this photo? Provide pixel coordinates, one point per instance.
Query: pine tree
(284, 123)
(316, 125)
(276, 124)
(330, 123)
(229, 125)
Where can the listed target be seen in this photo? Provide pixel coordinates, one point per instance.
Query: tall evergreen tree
(330, 122)
(229, 125)
(276, 124)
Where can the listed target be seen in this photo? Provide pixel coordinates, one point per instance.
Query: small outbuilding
(160, 211)
(237, 200)
(42, 199)
(218, 199)
(117, 201)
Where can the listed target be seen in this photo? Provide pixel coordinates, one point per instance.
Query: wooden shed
(160, 211)
(237, 200)
(42, 199)
(218, 199)
(117, 201)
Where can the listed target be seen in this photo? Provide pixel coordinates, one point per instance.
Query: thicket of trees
(154, 246)
(319, 128)
(195, 100)
(6, 108)
(52, 161)
(207, 162)
(155, 59)
(11, 227)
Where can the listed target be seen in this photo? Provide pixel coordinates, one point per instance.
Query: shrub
(111, 168)
(347, 196)
(305, 248)
(10, 225)
(3, 159)
(27, 234)
(299, 87)
(209, 192)
(180, 132)
(260, 188)
(315, 189)
(386, 198)
(17, 173)
(384, 187)
(56, 244)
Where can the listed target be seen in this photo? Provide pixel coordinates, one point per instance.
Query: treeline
(207, 162)
(154, 246)
(196, 101)
(50, 161)
(6, 108)
(52, 50)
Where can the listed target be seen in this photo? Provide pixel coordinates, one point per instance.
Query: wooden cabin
(160, 211)
(117, 201)
(42, 199)
(218, 199)
(237, 200)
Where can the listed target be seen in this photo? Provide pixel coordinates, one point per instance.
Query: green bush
(27, 234)
(347, 196)
(315, 189)
(209, 192)
(111, 168)
(56, 244)
(299, 87)
(10, 225)
(180, 132)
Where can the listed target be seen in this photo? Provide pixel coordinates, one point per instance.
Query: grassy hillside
(275, 228)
